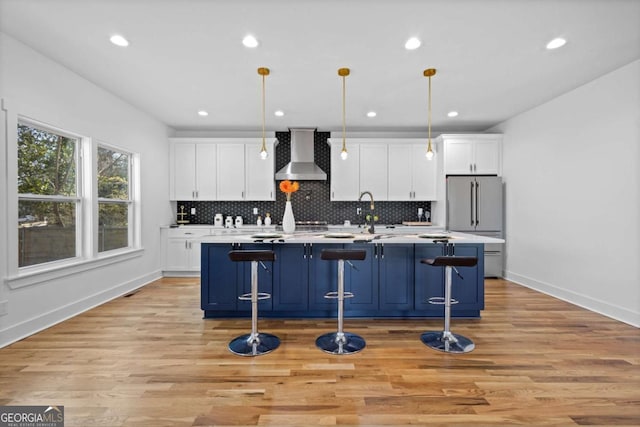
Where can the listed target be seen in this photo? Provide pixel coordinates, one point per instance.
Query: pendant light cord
(429, 112)
(264, 148)
(344, 116)
(429, 72)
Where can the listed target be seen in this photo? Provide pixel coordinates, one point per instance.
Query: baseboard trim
(584, 301)
(34, 325)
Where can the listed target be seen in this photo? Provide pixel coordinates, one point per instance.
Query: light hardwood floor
(149, 359)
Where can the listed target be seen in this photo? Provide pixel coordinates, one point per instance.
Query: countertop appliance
(475, 205)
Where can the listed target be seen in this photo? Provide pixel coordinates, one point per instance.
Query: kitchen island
(391, 282)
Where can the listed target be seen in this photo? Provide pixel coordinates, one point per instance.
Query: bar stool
(255, 343)
(446, 340)
(341, 342)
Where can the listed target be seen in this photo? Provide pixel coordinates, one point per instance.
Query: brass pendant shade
(429, 72)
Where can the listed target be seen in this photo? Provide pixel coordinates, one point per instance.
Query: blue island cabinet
(390, 282)
(223, 280)
(468, 290)
(302, 278)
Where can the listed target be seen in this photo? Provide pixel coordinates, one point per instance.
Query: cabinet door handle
(470, 167)
(304, 250)
(381, 250)
(475, 167)
(310, 250)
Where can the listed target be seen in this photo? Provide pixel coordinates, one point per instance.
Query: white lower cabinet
(181, 250)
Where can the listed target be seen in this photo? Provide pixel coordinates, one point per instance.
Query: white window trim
(19, 277)
(135, 226)
(58, 269)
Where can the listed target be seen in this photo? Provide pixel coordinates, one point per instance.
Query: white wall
(571, 169)
(36, 87)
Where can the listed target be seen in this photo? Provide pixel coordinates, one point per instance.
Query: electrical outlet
(255, 211)
(193, 211)
(4, 308)
(358, 211)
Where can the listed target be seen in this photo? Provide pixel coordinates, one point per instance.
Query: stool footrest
(334, 295)
(261, 295)
(441, 301)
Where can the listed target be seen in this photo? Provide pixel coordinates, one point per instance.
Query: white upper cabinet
(391, 169)
(260, 173)
(231, 171)
(374, 171)
(345, 174)
(400, 173)
(472, 154)
(412, 177)
(193, 171)
(221, 169)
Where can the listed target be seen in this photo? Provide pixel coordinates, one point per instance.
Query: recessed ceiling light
(371, 114)
(279, 113)
(250, 41)
(203, 113)
(452, 114)
(556, 43)
(412, 43)
(118, 40)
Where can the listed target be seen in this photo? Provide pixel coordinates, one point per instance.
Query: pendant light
(429, 72)
(264, 72)
(343, 72)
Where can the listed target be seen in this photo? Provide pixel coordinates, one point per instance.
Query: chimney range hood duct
(301, 167)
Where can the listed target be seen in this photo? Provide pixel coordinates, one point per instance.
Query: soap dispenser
(238, 221)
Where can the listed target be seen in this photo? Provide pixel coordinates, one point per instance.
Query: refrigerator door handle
(477, 216)
(471, 204)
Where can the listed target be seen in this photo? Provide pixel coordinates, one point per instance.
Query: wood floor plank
(149, 359)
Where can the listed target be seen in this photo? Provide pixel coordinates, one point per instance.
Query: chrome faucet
(370, 228)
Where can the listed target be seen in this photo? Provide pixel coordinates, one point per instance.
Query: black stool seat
(453, 261)
(254, 343)
(336, 254)
(446, 340)
(239, 256)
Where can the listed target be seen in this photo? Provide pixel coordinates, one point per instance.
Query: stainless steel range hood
(301, 167)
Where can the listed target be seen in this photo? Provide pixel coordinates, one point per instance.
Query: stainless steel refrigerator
(474, 205)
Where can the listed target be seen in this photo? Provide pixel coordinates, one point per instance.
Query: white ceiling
(187, 55)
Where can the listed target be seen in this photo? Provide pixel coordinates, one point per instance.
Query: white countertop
(347, 237)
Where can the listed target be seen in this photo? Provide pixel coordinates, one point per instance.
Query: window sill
(34, 277)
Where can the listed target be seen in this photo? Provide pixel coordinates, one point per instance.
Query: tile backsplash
(310, 203)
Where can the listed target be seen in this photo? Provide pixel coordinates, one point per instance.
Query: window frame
(77, 199)
(87, 255)
(132, 171)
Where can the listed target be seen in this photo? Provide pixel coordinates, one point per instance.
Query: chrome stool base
(447, 342)
(348, 343)
(251, 345)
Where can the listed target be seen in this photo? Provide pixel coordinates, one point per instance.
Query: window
(77, 203)
(114, 199)
(48, 199)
